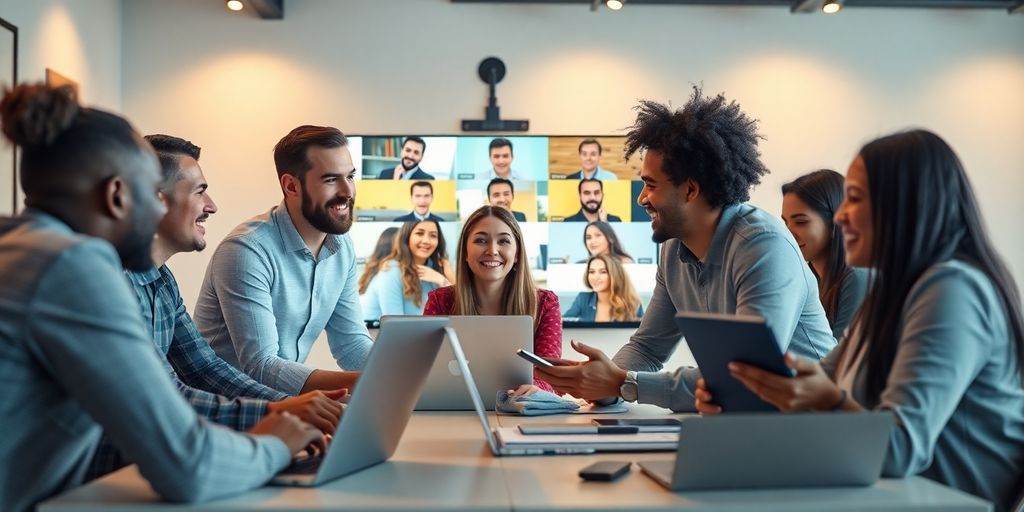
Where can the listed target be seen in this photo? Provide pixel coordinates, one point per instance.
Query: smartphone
(533, 358)
(644, 424)
(605, 471)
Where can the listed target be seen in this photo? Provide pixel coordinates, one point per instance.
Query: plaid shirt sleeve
(197, 364)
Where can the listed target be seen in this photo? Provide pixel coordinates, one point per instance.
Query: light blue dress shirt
(384, 295)
(599, 174)
(75, 359)
(266, 299)
(752, 267)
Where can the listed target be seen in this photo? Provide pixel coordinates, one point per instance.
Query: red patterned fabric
(547, 329)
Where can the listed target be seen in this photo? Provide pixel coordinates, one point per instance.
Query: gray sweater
(954, 387)
(752, 267)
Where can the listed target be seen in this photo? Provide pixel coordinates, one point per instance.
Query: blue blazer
(417, 174)
(584, 308)
(412, 217)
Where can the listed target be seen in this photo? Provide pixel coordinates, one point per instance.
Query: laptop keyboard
(304, 465)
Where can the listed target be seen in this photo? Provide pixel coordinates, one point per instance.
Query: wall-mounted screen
(575, 197)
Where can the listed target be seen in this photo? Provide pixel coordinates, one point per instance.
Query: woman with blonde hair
(418, 263)
(492, 277)
(613, 298)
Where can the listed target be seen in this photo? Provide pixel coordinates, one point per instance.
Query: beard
(663, 230)
(591, 206)
(321, 219)
(407, 166)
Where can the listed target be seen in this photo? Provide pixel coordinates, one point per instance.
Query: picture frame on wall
(8, 153)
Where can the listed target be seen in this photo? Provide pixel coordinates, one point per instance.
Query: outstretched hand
(597, 377)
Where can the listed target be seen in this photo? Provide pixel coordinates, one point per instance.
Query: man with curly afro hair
(719, 254)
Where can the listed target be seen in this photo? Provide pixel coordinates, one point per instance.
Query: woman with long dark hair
(418, 264)
(939, 340)
(809, 204)
(493, 278)
(600, 238)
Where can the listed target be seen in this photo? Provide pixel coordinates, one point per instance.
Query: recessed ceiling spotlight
(832, 6)
(234, 5)
(615, 4)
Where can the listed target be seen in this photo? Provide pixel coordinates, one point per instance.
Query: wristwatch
(628, 390)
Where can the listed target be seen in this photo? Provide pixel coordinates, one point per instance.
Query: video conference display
(446, 178)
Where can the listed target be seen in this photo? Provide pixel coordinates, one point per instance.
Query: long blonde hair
(624, 299)
(519, 293)
(412, 288)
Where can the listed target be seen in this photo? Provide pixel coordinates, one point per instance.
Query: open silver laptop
(381, 403)
(510, 441)
(490, 344)
(736, 451)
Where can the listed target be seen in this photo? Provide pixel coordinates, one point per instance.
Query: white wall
(821, 85)
(80, 40)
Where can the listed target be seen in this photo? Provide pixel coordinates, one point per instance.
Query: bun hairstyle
(65, 148)
(35, 115)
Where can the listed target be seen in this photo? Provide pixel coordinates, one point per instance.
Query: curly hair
(709, 140)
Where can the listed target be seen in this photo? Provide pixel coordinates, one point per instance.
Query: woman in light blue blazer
(418, 264)
(613, 298)
(939, 340)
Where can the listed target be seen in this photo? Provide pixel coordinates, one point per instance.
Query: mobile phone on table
(533, 358)
(605, 471)
(644, 424)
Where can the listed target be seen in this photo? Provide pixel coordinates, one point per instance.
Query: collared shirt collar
(293, 242)
(407, 175)
(716, 250)
(46, 218)
(512, 174)
(145, 277)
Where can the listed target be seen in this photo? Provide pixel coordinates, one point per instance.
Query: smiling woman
(493, 279)
(809, 204)
(417, 264)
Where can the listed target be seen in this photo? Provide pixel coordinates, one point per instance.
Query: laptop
(510, 441)
(380, 405)
(737, 451)
(490, 344)
(717, 339)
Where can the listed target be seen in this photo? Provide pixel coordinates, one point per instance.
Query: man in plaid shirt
(214, 388)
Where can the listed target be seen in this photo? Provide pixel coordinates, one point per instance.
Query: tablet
(715, 340)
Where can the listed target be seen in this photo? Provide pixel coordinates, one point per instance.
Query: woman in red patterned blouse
(493, 278)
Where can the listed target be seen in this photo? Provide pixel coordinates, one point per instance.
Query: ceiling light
(832, 6)
(234, 5)
(615, 4)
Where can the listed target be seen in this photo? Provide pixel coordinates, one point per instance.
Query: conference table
(443, 463)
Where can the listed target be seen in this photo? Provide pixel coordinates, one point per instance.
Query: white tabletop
(443, 463)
